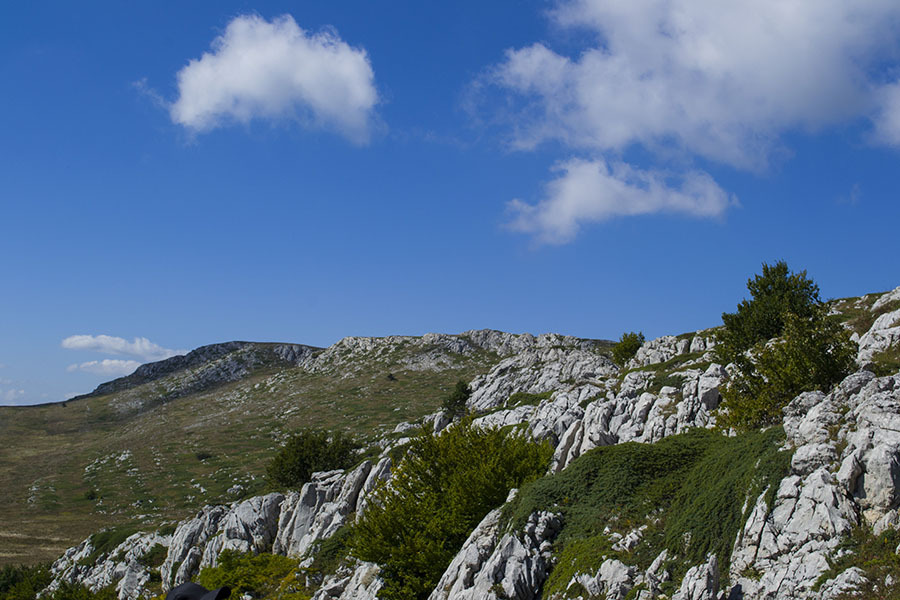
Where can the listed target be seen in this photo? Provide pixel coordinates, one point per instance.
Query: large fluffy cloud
(275, 70)
(107, 367)
(140, 347)
(701, 78)
(720, 79)
(596, 191)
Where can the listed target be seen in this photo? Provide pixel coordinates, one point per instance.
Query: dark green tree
(308, 451)
(782, 342)
(455, 403)
(627, 347)
(774, 294)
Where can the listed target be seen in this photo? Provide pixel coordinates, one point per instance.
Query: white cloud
(723, 80)
(593, 191)
(276, 70)
(140, 347)
(106, 367)
(887, 120)
(689, 79)
(11, 396)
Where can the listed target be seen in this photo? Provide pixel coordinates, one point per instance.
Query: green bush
(689, 490)
(775, 293)
(627, 347)
(813, 350)
(455, 403)
(261, 576)
(814, 354)
(442, 488)
(70, 591)
(23, 582)
(873, 554)
(308, 451)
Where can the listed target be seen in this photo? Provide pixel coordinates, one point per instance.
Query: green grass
(694, 483)
(105, 542)
(857, 313)
(185, 452)
(873, 554)
(886, 362)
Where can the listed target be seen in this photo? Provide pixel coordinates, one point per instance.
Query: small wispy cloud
(109, 367)
(12, 396)
(276, 70)
(140, 347)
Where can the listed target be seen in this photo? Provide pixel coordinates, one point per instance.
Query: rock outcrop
(123, 567)
(844, 473)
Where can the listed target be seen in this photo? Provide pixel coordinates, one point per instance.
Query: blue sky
(178, 174)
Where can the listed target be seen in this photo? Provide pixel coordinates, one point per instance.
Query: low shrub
(261, 576)
(23, 582)
(442, 488)
(308, 451)
(688, 489)
(627, 347)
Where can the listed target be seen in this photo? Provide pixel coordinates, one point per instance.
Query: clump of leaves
(155, 557)
(627, 347)
(329, 554)
(455, 403)
(812, 351)
(77, 591)
(261, 576)
(308, 451)
(442, 488)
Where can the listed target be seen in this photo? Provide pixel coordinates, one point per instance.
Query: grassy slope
(63, 474)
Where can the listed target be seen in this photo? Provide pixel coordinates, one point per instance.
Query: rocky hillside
(792, 511)
(199, 429)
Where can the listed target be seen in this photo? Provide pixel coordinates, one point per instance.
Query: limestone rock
(700, 582)
(847, 582)
(516, 567)
(883, 334)
(791, 544)
(250, 526)
(320, 508)
(120, 567)
(363, 583)
(538, 369)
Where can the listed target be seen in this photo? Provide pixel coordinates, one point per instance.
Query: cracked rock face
(513, 566)
(536, 370)
(700, 582)
(668, 347)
